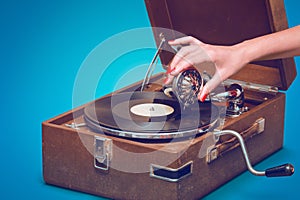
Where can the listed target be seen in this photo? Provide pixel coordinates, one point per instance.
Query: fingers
(169, 78)
(188, 40)
(192, 52)
(178, 64)
(203, 94)
(184, 58)
(209, 86)
(179, 56)
(182, 64)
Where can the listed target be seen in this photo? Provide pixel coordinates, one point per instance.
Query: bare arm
(277, 45)
(228, 60)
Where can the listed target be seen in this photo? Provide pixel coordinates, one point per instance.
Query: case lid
(226, 23)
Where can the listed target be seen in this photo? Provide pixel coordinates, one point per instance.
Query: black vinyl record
(147, 115)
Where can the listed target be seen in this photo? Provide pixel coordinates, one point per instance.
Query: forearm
(277, 45)
(228, 60)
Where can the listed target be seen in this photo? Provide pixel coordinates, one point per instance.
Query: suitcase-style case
(79, 158)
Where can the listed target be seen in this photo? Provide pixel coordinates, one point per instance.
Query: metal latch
(102, 152)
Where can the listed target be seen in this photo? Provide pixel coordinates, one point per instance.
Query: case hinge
(102, 152)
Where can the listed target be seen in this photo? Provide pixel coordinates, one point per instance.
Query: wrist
(228, 55)
(243, 52)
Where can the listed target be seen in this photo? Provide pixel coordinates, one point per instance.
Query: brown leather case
(80, 159)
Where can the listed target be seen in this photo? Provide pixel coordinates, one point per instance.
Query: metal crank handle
(282, 170)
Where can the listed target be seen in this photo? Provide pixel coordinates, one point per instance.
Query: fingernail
(203, 97)
(170, 70)
(174, 72)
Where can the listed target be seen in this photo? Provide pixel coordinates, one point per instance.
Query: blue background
(43, 44)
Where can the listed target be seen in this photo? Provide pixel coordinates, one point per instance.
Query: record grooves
(114, 115)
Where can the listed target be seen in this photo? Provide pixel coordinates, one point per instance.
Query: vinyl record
(147, 115)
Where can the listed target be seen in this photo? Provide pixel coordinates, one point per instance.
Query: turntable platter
(148, 115)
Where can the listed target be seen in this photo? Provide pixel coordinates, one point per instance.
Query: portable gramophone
(154, 141)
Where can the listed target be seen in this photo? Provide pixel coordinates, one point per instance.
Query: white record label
(151, 110)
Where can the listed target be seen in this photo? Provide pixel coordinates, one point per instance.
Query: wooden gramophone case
(71, 156)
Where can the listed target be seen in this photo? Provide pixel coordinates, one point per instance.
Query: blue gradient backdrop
(43, 44)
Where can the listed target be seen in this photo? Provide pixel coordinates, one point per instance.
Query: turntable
(147, 115)
(151, 141)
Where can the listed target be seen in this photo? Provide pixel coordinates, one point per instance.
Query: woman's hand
(227, 61)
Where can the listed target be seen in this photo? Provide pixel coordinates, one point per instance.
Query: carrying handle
(222, 147)
(282, 170)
